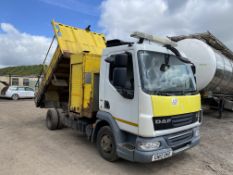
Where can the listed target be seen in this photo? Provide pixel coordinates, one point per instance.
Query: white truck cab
(160, 109)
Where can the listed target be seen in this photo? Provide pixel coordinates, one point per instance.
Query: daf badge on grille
(174, 101)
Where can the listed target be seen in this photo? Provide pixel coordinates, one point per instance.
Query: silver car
(16, 92)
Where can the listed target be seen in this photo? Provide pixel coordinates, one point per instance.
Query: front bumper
(174, 143)
(146, 157)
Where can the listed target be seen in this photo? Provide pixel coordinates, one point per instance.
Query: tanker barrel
(214, 71)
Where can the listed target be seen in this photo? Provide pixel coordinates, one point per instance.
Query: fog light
(148, 146)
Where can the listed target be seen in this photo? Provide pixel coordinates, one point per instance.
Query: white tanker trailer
(214, 67)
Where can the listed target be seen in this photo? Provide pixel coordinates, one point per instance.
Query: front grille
(161, 123)
(179, 139)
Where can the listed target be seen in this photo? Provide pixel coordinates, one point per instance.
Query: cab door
(121, 102)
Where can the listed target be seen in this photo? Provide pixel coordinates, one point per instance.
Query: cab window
(121, 74)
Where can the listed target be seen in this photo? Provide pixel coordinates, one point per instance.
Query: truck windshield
(163, 73)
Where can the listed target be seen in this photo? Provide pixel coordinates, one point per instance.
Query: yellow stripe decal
(126, 122)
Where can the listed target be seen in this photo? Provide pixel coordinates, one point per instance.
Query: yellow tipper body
(82, 51)
(74, 40)
(175, 105)
(84, 87)
(86, 49)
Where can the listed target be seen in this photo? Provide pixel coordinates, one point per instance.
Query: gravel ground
(28, 148)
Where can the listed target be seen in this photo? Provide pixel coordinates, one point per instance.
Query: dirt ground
(28, 148)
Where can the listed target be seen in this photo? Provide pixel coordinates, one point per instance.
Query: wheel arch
(99, 124)
(106, 119)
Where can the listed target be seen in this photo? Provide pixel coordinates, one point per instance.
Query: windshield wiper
(184, 92)
(171, 93)
(163, 93)
(192, 91)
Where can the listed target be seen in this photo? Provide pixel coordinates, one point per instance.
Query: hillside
(22, 70)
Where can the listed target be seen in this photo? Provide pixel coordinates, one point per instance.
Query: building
(15, 80)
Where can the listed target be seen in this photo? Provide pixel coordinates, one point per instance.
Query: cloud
(119, 18)
(21, 48)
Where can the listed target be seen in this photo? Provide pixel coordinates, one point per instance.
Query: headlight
(197, 132)
(148, 146)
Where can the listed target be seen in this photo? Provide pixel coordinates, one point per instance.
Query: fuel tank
(214, 71)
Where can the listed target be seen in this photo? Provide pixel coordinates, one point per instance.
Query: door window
(121, 74)
(28, 89)
(21, 89)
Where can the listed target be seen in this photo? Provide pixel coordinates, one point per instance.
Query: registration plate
(162, 154)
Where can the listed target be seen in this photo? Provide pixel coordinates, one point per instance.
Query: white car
(16, 92)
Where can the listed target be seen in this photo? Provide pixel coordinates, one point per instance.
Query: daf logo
(162, 121)
(174, 101)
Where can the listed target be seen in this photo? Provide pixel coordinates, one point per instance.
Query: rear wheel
(60, 123)
(52, 119)
(106, 144)
(15, 97)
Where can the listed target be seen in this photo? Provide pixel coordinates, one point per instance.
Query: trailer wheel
(52, 119)
(106, 144)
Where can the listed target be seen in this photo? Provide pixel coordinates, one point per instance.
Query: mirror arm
(110, 59)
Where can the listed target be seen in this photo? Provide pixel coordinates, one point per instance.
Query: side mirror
(121, 60)
(164, 67)
(120, 82)
(110, 59)
(119, 77)
(193, 69)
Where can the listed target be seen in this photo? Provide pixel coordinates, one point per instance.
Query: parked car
(16, 92)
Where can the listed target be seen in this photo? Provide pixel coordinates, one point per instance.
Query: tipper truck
(135, 100)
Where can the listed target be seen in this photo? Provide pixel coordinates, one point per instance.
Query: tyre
(106, 144)
(52, 119)
(15, 97)
(60, 123)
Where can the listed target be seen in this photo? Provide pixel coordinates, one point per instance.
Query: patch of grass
(22, 70)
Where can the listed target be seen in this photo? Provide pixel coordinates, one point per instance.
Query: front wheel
(15, 97)
(106, 144)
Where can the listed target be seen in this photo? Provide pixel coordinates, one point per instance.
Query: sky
(26, 32)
